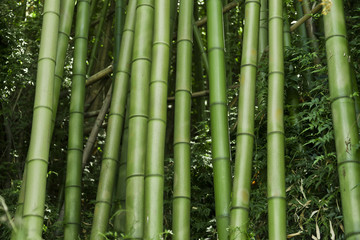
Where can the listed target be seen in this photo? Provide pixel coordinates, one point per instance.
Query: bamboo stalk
(245, 127)
(110, 157)
(154, 165)
(218, 118)
(275, 125)
(181, 198)
(38, 154)
(138, 118)
(344, 117)
(76, 121)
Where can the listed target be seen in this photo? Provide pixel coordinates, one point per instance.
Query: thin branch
(316, 9)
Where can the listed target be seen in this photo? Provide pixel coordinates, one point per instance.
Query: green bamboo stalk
(138, 118)
(310, 30)
(287, 36)
(110, 160)
(275, 125)
(97, 37)
(344, 118)
(66, 17)
(197, 36)
(154, 166)
(92, 7)
(120, 195)
(38, 154)
(119, 25)
(245, 127)
(182, 188)
(302, 32)
(263, 29)
(198, 68)
(75, 142)
(218, 117)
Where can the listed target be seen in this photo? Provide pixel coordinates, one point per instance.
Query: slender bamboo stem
(95, 130)
(181, 199)
(97, 38)
(204, 57)
(66, 17)
(138, 118)
(154, 166)
(110, 160)
(120, 195)
(263, 28)
(245, 127)
(37, 160)
(344, 118)
(75, 142)
(218, 117)
(275, 126)
(119, 25)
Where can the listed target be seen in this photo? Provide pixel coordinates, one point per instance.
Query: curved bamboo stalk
(154, 165)
(218, 117)
(97, 37)
(38, 154)
(138, 118)
(344, 118)
(182, 189)
(275, 125)
(110, 160)
(245, 127)
(75, 142)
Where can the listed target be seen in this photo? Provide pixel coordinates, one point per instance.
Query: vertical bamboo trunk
(138, 118)
(182, 192)
(200, 45)
(263, 29)
(310, 30)
(66, 17)
(302, 32)
(245, 130)
(120, 196)
(119, 25)
(275, 125)
(219, 117)
(75, 142)
(38, 154)
(114, 130)
(344, 118)
(97, 38)
(287, 35)
(154, 166)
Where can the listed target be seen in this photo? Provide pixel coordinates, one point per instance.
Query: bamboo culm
(138, 118)
(110, 157)
(38, 154)
(344, 118)
(181, 199)
(245, 127)
(275, 125)
(76, 121)
(219, 117)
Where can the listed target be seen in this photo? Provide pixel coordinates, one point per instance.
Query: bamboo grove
(208, 120)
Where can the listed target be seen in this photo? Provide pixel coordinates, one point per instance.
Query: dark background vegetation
(311, 171)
